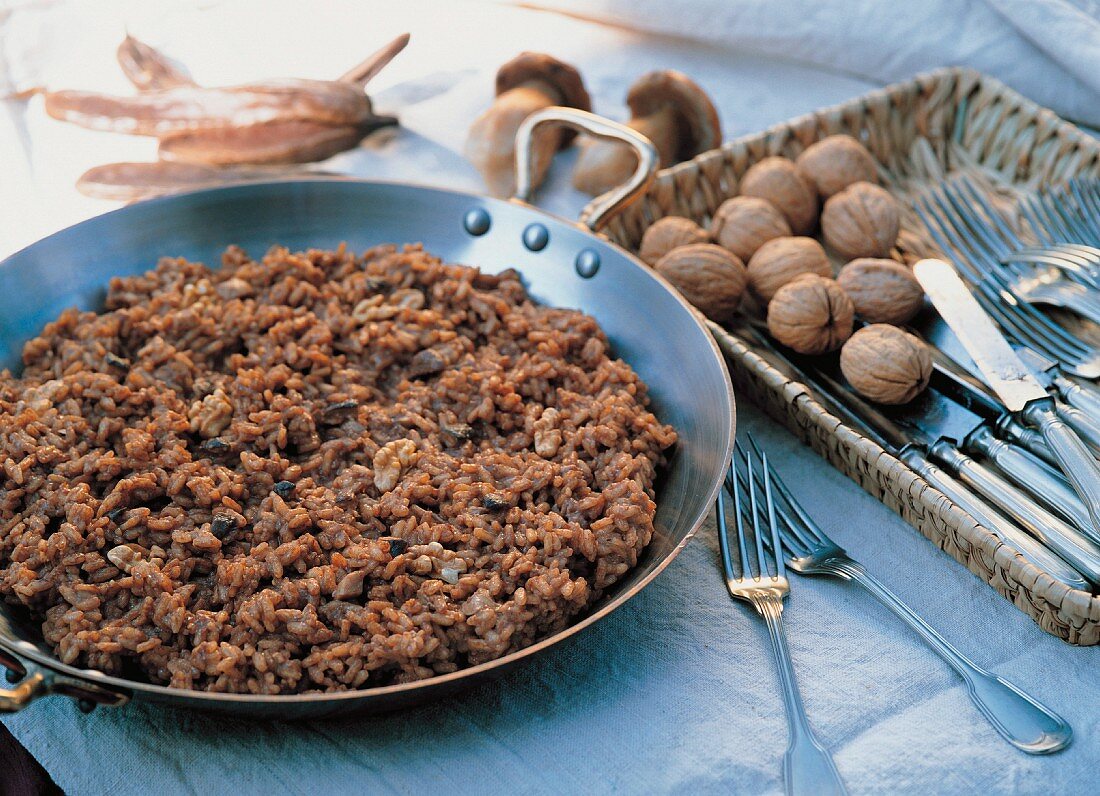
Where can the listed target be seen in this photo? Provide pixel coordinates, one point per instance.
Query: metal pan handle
(607, 206)
(37, 681)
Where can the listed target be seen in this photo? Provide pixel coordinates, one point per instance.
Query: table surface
(676, 690)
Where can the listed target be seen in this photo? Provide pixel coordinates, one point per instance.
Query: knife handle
(1074, 458)
(995, 522)
(1085, 427)
(1027, 438)
(1061, 537)
(1083, 397)
(1032, 475)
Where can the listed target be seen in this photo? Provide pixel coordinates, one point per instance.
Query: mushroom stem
(491, 145)
(603, 164)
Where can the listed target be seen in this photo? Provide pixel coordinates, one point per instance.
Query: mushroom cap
(540, 66)
(700, 128)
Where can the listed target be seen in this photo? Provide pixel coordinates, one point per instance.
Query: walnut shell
(863, 220)
(811, 314)
(886, 364)
(779, 261)
(667, 234)
(883, 291)
(744, 223)
(708, 276)
(834, 163)
(780, 182)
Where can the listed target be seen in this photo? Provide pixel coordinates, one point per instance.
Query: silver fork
(978, 248)
(1068, 213)
(807, 766)
(1020, 719)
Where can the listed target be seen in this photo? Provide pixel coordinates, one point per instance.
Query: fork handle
(808, 767)
(1020, 719)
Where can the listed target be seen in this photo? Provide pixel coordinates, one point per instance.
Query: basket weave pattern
(920, 131)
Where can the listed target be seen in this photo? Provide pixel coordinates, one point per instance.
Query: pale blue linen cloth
(674, 693)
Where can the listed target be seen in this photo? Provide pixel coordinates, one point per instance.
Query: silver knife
(1016, 386)
(883, 430)
(1075, 403)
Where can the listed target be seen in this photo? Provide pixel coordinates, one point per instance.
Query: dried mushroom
(886, 364)
(668, 108)
(834, 163)
(708, 276)
(883, 291)
(745, 223)
(811, 314)
(527, 83)
(668, 233)
(861, 221)
(779, 261)
(780, 182)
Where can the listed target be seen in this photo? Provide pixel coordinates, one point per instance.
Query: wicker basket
(944, 122)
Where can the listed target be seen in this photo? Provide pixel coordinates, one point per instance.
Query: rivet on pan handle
(607, 206)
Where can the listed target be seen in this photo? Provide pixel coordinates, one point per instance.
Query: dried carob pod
(297, 141)
(195, 108)
(147, 68)
(129, 182)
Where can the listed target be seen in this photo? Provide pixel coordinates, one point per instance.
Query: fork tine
(723, 533)
(992, 217)
(793, 539)
(777, 551)
(746, 570)
(1088, 204)
(758, 537)
(1034, 212)
(941, 222)
(808, 525)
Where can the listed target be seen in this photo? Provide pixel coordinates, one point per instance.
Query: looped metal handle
(606, 207)
(38, 681)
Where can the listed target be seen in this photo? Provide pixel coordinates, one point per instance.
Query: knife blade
(880, 428)
(1017, 387)
(1077, 404)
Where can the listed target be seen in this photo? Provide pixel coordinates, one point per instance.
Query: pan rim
(199, 698)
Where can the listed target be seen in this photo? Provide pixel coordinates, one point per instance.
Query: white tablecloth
(676, 691)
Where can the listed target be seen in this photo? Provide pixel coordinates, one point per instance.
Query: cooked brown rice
(318, 471)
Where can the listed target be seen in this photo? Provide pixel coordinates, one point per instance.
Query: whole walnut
(811, 314)
(883, 291)
(780, 182)
(863, 220)
(886, 364)
(834, 163)
(708, 276)
(744, 223)
(779, 261)
(667, 234)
